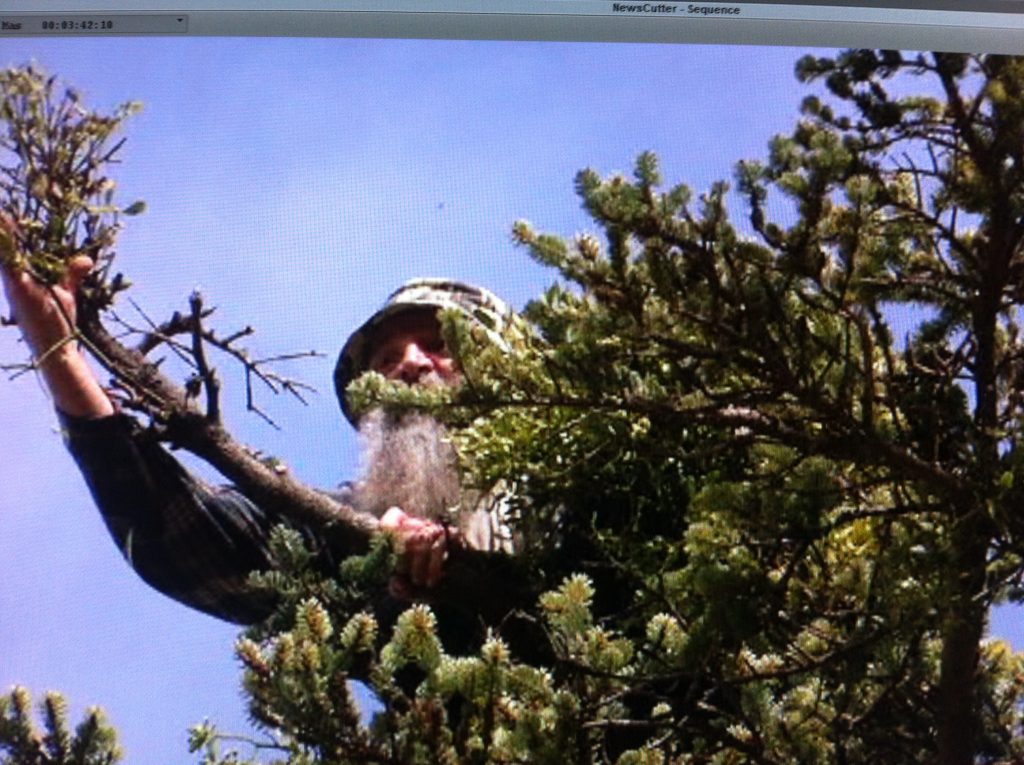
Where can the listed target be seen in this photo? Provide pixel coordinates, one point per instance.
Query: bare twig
(206, 373)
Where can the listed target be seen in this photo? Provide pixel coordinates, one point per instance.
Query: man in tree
(198, 543)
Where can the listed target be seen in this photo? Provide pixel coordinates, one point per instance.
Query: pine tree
(761, 526)
(94, 742)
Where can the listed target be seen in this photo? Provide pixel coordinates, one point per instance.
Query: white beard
(408, 462)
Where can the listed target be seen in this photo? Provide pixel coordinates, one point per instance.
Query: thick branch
(192, 430)
(485, 584)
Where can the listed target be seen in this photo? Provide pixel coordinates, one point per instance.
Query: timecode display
(130, 24)
(77, 25)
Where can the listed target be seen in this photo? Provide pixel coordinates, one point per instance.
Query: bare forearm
(71, 381)
(46, 316)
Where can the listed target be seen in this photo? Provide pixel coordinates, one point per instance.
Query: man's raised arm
(46, 317)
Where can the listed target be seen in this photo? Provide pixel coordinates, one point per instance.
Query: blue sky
(296, 182)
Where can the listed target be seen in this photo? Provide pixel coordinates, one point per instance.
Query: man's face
(409, 347)
(409, 462)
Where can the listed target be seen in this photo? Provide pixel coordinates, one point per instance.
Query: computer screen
(297, 166)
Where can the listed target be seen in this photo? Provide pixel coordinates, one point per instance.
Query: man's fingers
(437, 555)
(425, 553)
(392, 519)
(423, 546)
(78, 269)
(418, 563)
(6, 250)
(7, 233)
(429, 566)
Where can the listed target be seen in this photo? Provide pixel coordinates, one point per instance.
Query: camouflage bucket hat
(479, 305)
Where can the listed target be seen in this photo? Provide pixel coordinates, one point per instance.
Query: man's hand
(46, 316)
(423, 548)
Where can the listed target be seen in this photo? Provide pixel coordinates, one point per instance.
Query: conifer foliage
(93, 742)
(762, 446)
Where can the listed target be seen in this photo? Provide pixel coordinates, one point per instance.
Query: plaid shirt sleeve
(194, 542)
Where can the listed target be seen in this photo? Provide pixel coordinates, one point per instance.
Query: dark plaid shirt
(195, 542)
